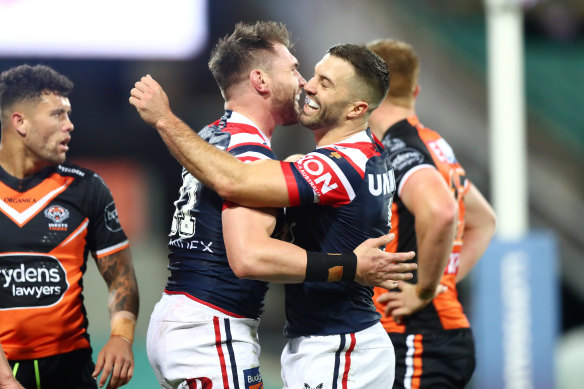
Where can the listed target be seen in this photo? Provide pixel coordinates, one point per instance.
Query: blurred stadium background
(450, 38)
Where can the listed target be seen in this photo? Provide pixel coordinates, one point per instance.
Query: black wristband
(322, 267)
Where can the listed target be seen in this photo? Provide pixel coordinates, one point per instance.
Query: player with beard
(344, 188)
(204, 329)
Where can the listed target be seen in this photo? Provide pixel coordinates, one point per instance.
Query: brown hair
(248, 46)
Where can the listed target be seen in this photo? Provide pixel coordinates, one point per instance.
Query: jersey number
(183, 223)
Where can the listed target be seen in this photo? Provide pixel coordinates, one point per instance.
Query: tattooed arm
(116, 357)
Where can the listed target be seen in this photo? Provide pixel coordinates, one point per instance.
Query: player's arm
(259, 184)
(426, 195)
(253, 254)
(116, 360)
(479, 227)
(7, 380)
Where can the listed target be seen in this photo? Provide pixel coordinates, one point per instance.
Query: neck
(386, 115)
(336, 134)
(14, 161)
(255, 109)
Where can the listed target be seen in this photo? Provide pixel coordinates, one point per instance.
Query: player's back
(198, 262)
(411, 147)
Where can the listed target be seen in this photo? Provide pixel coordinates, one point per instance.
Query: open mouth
(65, 143)
(312, 104)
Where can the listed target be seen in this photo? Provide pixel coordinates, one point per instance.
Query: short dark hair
(237, 53)
(27, 82)
(369, 67)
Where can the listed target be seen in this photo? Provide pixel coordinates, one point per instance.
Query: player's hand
(116, 362)
(380, 268)
(10, 383)
(150, 101)
(405, 300)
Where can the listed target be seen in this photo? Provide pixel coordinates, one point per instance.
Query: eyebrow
(61, 110)
(323, 77)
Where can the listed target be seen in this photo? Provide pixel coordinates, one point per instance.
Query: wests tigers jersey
(413, 147)
(48, 224)
(198, 262)
(346, 190)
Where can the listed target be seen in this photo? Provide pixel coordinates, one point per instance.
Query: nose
(69, 125)
(309, 86)
(301, 80)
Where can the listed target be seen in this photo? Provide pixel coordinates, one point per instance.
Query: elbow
(445, 215)
(225, 187)
(243, 264)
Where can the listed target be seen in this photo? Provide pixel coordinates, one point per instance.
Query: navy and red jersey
(346, 191)
(413, 147)
(198, 262)
(48, 224)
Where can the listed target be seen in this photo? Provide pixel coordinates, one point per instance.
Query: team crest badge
(335, 154)
(57, 215)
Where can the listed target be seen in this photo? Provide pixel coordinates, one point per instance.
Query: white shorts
(364, 359)
(191, 345)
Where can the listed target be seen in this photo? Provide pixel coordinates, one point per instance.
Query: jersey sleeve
(105, 233)
(406, 161)
(323, 176)
(246, 148)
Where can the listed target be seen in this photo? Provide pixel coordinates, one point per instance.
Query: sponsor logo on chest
(31, 280)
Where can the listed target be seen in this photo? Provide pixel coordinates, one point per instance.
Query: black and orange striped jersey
(413, 147)
(49, 222)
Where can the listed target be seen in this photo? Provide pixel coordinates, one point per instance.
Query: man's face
(48, 129)
(327, 93)
(287, 86)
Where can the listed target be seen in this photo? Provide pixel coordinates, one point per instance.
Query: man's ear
(18, 122)
(357, 109)
(416, 91)
(258, 81)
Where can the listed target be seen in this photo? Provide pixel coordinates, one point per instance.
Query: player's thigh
(360, 360)
(445, 359)
(212, 349)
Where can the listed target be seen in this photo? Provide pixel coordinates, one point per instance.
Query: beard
(322, 119)
(287, 107)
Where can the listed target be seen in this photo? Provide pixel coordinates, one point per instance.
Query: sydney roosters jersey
(48, 224)
(413, 147)
(198, 262)
(346, 191)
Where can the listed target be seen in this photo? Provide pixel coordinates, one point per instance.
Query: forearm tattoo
(118, 272)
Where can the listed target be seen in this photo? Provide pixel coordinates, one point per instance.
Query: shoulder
(75, 171)
(82, 175)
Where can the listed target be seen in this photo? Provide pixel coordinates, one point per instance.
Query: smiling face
(327, 93)
(47, 129)
(287, 85)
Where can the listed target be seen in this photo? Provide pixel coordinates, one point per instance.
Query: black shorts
(62, 371)
(438, 360)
